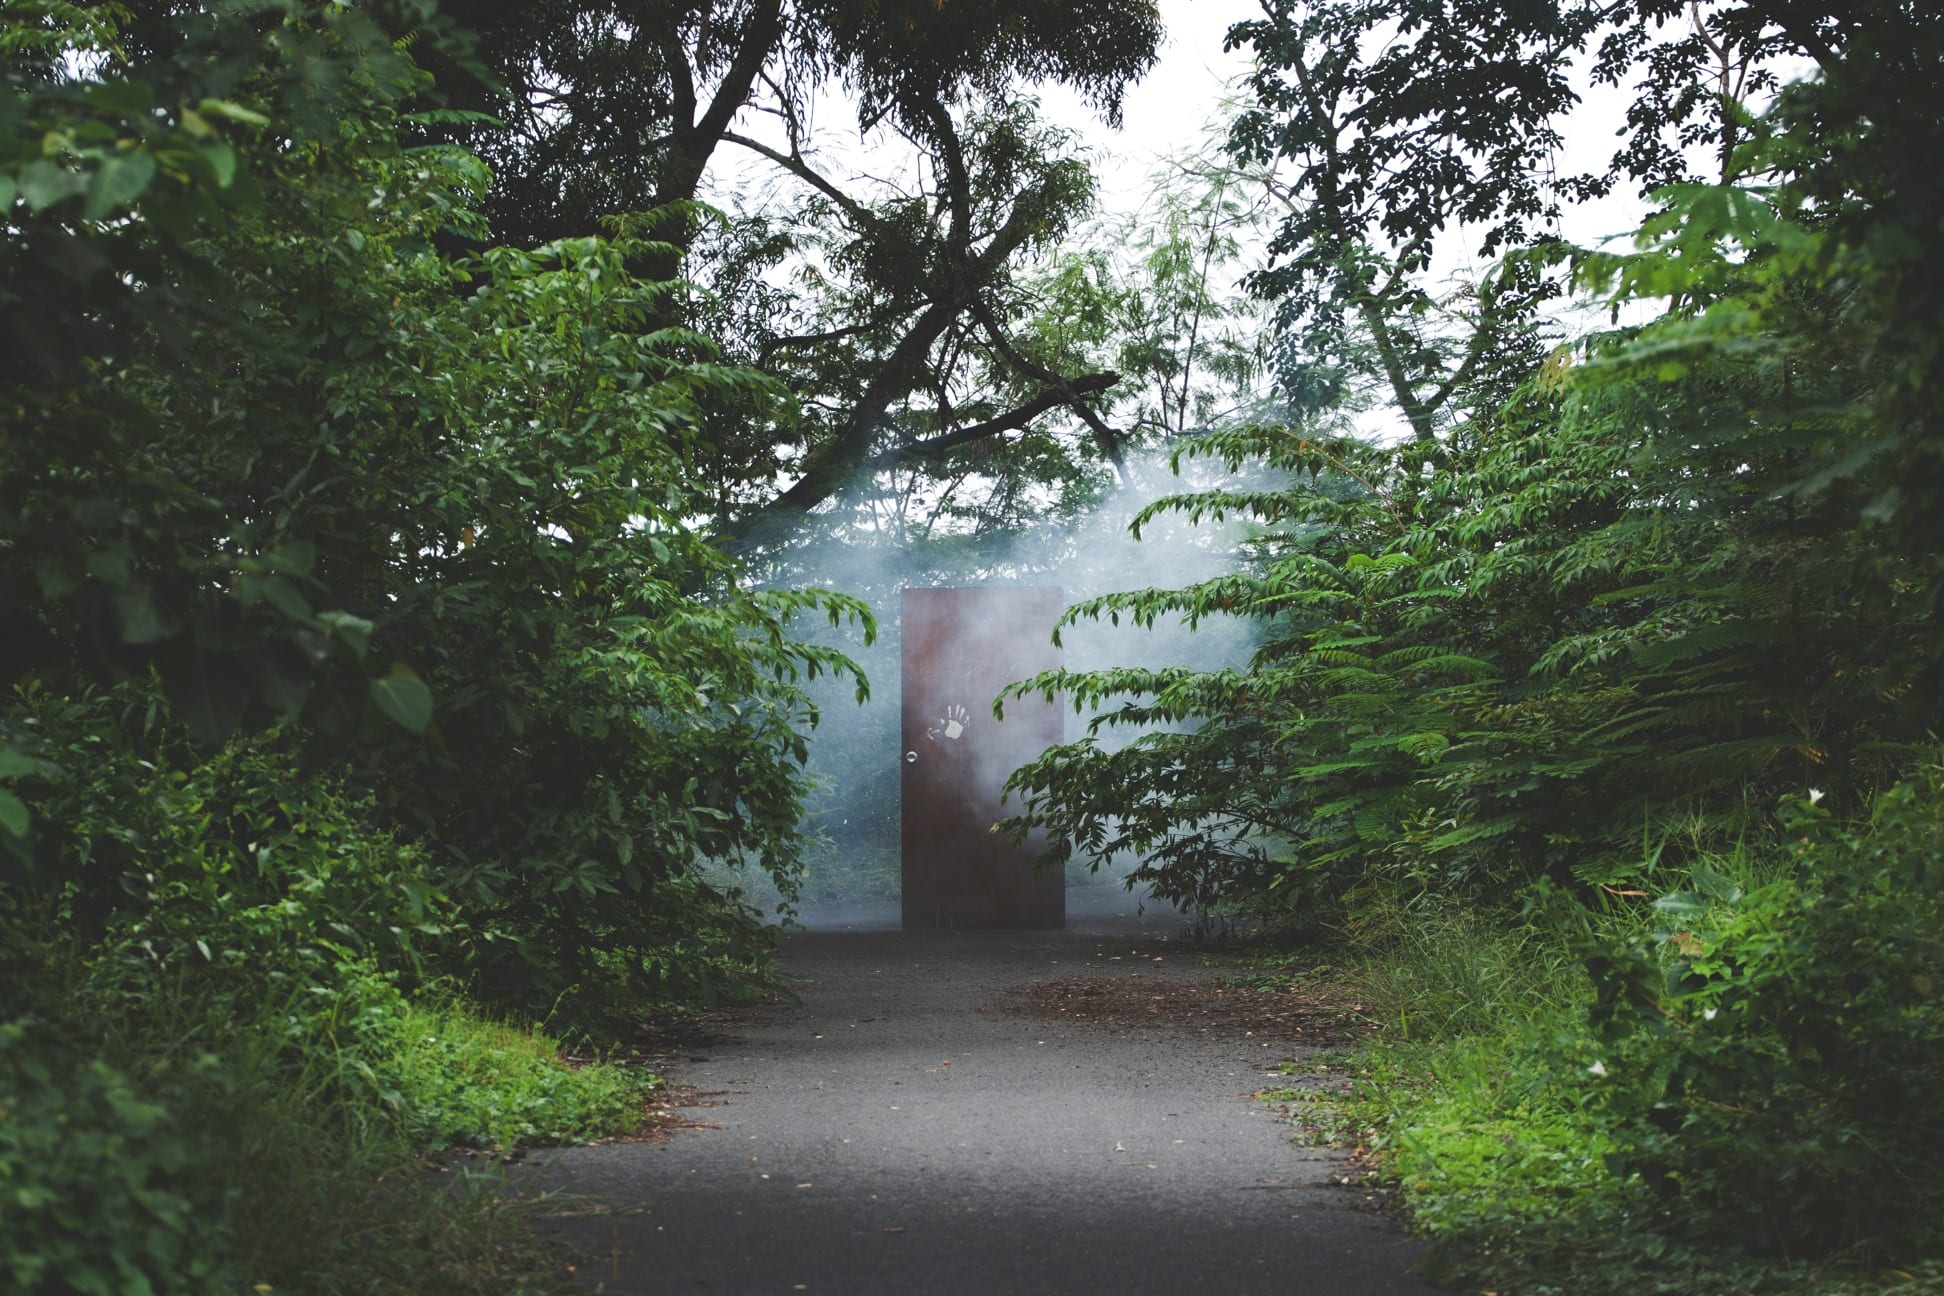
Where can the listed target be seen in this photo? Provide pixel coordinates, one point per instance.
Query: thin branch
(774, 345)
(802, 170)
(935, 448)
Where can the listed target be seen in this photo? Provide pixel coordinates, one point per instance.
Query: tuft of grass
(465, 1080)
(1456, 973)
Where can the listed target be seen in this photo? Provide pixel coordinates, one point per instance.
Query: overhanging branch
(937, 447)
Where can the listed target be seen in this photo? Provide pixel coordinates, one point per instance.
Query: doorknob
(911, 758)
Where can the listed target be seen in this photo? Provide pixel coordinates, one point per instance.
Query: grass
(464, 1080)
(1468, 1109)
(175, 1141)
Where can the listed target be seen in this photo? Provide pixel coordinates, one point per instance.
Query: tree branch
(935, 448)
(796, 166)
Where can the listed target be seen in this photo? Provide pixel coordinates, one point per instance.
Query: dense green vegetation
(408, 635)
(366, 680)
(379, 674)
(1599, 714)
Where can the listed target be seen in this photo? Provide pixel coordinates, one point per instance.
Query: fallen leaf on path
(1297, 1013)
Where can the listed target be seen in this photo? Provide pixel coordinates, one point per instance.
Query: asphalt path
(902, 1133)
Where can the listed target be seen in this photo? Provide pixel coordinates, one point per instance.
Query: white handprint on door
(952, 725)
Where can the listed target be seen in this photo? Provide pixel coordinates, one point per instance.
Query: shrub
(1779, 1079)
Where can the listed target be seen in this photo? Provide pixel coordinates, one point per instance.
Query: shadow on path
(902, 1134)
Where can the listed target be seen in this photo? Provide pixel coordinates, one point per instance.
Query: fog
(852, 820)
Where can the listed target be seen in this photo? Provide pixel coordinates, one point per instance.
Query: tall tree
(629, 106)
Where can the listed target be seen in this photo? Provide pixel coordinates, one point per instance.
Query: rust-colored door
(960, 647)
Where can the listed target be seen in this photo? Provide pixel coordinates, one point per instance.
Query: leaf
(16, 764)
(450, 117)
(221, 159)
(208, 693)
(403, 697)
(230, 111)
(118, 181)
(131, 99)
(282, 680)
(1715, 885)
(143, 619)
(14, 819)
(44, 183)
(278, 591)
(354, 631)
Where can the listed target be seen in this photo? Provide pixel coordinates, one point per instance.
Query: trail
(900, 1133)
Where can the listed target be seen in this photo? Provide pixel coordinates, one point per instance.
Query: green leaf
(297, 557)
(354, 631)
(282, 681)
(131, 99)
(1715, 885)
(44, 183)
(16, 764)
(1681, 903)
(143, 619)
(221, 159)
(231, 111)
(118, 181)
(403, 697)
(208, 693)
(14, 819)
(279, 592)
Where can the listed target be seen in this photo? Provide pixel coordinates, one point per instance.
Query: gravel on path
(925, 1123)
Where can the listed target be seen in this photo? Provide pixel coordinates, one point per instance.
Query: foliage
(1143, 296)
(1743, 1092)
(890, 307)
(1601, 614)
(194, 1147)
(352, 630)
(1649, 577)
(463, 1081)
(586, 646)
(489, 460)
(117, 555)
(208, 1058)
(1821, 993)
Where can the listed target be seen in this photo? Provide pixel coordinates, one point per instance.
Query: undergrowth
(1736, 1088)
(222, 1064)
(203, 1147)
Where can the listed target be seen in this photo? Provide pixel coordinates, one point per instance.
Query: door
(960, 647)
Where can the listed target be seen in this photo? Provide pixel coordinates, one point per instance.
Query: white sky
(1167, 113)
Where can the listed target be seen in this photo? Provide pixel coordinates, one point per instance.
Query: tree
(625, 107)
(424, 513)
(1647, 576)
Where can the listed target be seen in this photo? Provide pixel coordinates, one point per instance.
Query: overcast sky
(1167, 112)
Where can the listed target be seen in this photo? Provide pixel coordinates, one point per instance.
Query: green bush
(95, 1176)
(212, 1070)
(1777, 1075)
(1747, 1097)
(197, 1149)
